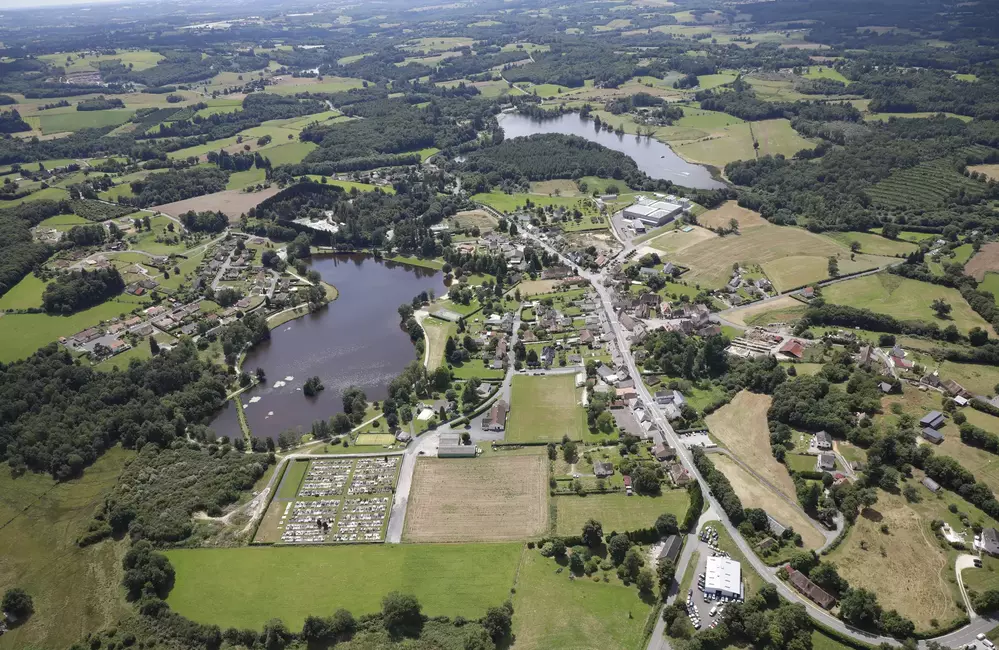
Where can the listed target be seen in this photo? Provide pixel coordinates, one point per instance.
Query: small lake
(355, 341)
(652, 156)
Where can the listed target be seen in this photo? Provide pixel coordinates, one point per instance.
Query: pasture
(754, 494)
(292, 583)
(76, 120)
(24, 295)
(675, 241)
(979, 379)
(789, 256)
(873, 244)
(38, 552)
(545, 408)
(735, 142)
(286, 154)
(904, 299)
(293, 85)
(741, 426)
(553, 611)
(721, 216)
(616, 510)
(494, 498)
(906, 557)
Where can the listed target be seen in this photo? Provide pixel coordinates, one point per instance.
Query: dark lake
(652, 156)
(356, 340)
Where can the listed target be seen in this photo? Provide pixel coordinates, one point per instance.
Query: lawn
(121, 361)
(709, 81)
(38, 552)
(545, 408)
(512, 202)
(61, 122)
(374, 439)
(292, 480)
(873, 244)
(292, 583)
(904, 299)
(158, 230)
(906, 557)
(616, 511)
(554, 611)
(22, 334)
(800, 462)
(437, 332)
(24, 295)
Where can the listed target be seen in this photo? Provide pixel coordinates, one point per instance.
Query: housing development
(625, 324)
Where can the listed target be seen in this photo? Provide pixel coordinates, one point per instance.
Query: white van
(714, 610)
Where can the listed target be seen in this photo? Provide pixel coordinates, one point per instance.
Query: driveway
(960, 564)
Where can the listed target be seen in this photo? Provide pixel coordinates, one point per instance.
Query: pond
(652, 156)
(355, 341)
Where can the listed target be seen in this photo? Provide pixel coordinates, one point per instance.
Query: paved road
(666, 434)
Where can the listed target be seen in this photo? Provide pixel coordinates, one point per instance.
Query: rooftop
(723, 574)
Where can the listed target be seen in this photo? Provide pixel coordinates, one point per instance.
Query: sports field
(790, 256)
(904, 299)
(41, 520)
(552, 611)
(754, 494)
(741, 425)
(495, 498)
(616, 511)
(908, 558)
(545, 409)
(244, 587)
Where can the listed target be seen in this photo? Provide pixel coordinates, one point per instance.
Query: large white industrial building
(723, 577)
(655, 212)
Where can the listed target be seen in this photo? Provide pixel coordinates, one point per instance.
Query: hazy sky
(32, 4)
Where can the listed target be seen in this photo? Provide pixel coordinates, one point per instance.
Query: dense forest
(19, 253)
(176, 185)
(77, 290)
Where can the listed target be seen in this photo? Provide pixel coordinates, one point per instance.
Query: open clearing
(480, 219)
(873, 244)
(986, 259)
(735, 142)
(992, 171)
(377, 439)
(496, 498)
(76, 590)
(721, 216)
(904, 299)
(530, 288)
(764, 311)
(754, 494)
(741, 425)
(292, 583)
(907, 558)
(25, 294)
(616, 511)
(545, 409)
(553, 611)
(676, 241)
(232, 203)
(437, 332)
(790, 257)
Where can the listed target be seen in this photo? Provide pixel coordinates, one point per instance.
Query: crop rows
(926, 184)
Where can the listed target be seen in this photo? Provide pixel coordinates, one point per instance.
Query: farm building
(932, 435)
(801, 582)
(933, 420)
(723, 577)
(652, 212)
(671, 549)
(450, 447)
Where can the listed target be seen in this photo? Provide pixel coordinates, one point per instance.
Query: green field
(545, 408)
(616, 511)
(698, 118)
(925, 185)
(147, 239)
(239, 180)
(374, 439)
(63, 222)
(22, 334)
(61, 122)
(24, 295)
(991, 284)
(873, 244)
(735, 142)
(825, 72)
(41, 520)
(138, 59)
(437, 332)
(553, 611)
(49, 193)
(292, 479)
(904, 299)
(286, 154)
(800, 462)
(328, 85)
(292, 583)
(709, 81)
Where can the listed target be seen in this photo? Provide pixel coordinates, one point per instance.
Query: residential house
(602, 469)
(547, 355)
(823, 440)
(988, 541)
(679, 475)
(586, 338)
(885, 387)
(627, 321)
(663, 452)
(668, 268)
(826, 463)
(496, 420)
(815, 593)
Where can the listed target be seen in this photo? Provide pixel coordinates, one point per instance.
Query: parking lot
(690, 440)
(699, 607)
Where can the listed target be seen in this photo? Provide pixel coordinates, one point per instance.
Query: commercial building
(723, 577)
(652, 213)
(450, 447)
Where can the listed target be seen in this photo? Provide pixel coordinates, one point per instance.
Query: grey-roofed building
(776, 528)
(933, 419)
(930, 484)
(603, 469)
(827, 462)
(671, 549)
(932, 435)
(450, 447)
(990, 541)
(823, 440)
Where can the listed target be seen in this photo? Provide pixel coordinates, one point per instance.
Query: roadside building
(723, 577)
(496, 419)
(450, 447)
(801, 582)
(671, 549)
(663, 452)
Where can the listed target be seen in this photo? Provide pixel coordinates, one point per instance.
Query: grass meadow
(244, 587)
(616, 510)
(545, 408)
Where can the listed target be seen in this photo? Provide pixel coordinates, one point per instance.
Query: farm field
(721, 216)
(779, 310)
(904, 299)
(926, 184)
(232, 203)
(907, 557)
(239, 180)
(62, 122)
(22, 334)
(545, 409)
(991, 284)
(286, 154)
(38, 552)
(480, 219)
(741, 425)
(616, 511)
(985, 260)
(735, 142)
(979, 379)
(292, 583)
(873, 244)
(790, 257)
(992, 171)
(291, 85)
(139, 60)
(503, 202)
(604, 616)
(754, 494)
(675, 241)
(496, 498)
